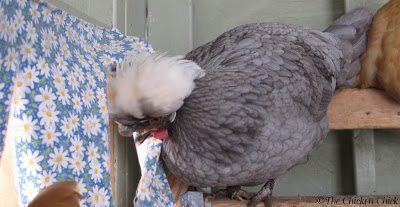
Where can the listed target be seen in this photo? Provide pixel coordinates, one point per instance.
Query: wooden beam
(320, 201)
(364, 161)
(363, 109)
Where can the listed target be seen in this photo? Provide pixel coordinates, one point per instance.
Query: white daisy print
(63, 95)
(2, 15)
(59, 20)
(31, 75)
(47, 15)
(19, 20)
(107, 60)
(59, 81)
(99, 32)
(58, 159)
(30, 190)
(81, 187)
(3, 28)
(30, 161)
(95, 125)
(47, 179)
(20, 84)
(66, 128)
(65, 51)
(91, 80)
(26, 129)
(105, 138)
(17, 102)
(48, 114)
(28, 52)
(31, 32)
(101, 95)
(77, 164)
(11, 60)
(81, 60)
(87, 126)
(88, 97)
(99, 74)
(21, 3)
(95, 197)
(78, 73)
(98, 46)
(72, 81)
(104, 197)
(139, 45)
(106, 163)
(103, 110)
(35, 14)
(11, 32)
(143, 192)
(76, 146)
(92, 153)
(49, 37)
(61, 63)
(46, 48)
(50, 136)
(77, 103)
(45, 96)
(43, 67)
(1, 90)
(74, 120)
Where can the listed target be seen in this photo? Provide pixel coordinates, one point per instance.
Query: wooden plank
(321, 201)
(112, 162)
(372, 5)
(211, 18)
(170, 25)
(118, 20)
(74, 9)
(8, 172)
(178, 188)
(136, 18)
(363, 109)
(364, 161)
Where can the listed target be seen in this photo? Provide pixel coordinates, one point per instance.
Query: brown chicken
(381, 61)
(61, 194)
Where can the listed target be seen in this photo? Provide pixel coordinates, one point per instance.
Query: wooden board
(321, 201)
(363, 109)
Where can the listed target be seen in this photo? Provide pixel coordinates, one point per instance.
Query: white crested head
(151, 85)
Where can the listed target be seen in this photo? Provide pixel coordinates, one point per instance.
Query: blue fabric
(153, 189)
(53, 95)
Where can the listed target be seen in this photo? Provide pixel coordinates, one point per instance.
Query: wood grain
(323, 201)
(363, 109)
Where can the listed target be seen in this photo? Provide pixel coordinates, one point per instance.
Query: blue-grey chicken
(249, 105)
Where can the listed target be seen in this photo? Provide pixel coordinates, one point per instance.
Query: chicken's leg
(233, 192)
(263, 194)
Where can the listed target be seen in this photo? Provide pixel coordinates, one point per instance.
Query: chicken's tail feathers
(61, 194)
(352, 27)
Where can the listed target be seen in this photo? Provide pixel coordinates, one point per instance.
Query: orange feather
(61, 194)
(381, 62)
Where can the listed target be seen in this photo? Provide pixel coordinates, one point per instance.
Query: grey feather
(262, 105)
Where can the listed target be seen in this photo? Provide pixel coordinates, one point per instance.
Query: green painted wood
(118, 18)
(101, 10)
(170, 25)
(387, 166)
(364, 161)
(136, 18)
(373, 5)
(78, 8)
(127, 170)
(211, 17)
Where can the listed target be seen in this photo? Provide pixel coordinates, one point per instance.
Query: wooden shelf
(363, 109)
(313, 201)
